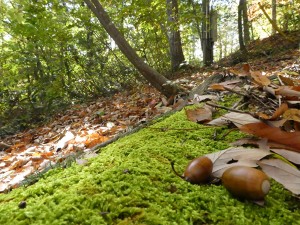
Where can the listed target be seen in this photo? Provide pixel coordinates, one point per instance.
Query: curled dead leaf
(292, 114)
(259, 78)
(199, 115)
(293, 157)
(283, 173)
(235, 156)
(275, 134)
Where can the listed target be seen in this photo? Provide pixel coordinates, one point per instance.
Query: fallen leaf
(274, 134)
(283, 173)
(244, 72)
(180, 104)
(261, 143)
(279, 111)
(200, 98)
(4, 146)
(235, 156)
(230, 84)
(286, 80)
(199, 115)
(246, 67)
(292, 114)
(21, 176)
(217, 87)
(293, 157)
(62, 143)
(238, 119)
(288, 91)
(259, 78)
(3, 187)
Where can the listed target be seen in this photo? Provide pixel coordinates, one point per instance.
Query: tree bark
(157, 80)
(176, 52)
(274, 15)
(207, 41)
(245, 22)
(240, 29)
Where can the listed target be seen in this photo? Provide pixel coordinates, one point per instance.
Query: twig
(229, 109)
(4, 146)
(233, 91)
(167, 129)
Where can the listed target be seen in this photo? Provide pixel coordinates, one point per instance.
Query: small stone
(22, 205)
(126, 171)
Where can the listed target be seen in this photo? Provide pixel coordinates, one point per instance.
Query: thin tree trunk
(157, 80)
(240, 29)
(206, 41)
(176, 52)
(245, 22)
(274, 15)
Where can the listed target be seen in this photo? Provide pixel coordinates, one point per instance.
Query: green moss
(131, 182)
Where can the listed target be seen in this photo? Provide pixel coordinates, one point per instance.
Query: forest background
(56, 53)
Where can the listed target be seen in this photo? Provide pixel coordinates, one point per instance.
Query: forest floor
(108, 175)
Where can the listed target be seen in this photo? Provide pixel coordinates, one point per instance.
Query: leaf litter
(266, 112)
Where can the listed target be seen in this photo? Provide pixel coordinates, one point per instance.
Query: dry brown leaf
(199, 115)
(21, 176)
(246, 68)
(230, 84)
(261, 143)
(238, 119)
(180, 104)
(288, 91)
(244, 72)
(274, 145)
(283, 173)
(276, 123)
(4, 146)
(279, 111)
(262, 115)
(200, 98)
(286, 80)
(3, 187)
(62, 143)
(292, 114)
(259, 78)
(217, 87)
(91, 142)
(269, 90)
(235, 156)
(274, 134)
(293, 157)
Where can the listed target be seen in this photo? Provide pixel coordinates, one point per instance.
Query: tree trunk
(176, 52)
(245, 22)
(207, 41)
(274, 15)
(157, 80)
(240, 29)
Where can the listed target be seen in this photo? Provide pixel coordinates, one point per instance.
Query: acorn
(246, 182)
(198, 171)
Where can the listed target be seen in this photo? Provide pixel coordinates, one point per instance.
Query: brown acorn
(198, 171)
(246, 182)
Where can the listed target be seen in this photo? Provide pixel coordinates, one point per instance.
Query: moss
(131, 182)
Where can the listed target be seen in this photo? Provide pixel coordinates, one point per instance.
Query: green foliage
(56, 52)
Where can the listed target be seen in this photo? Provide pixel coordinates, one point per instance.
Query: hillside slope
(131, 182)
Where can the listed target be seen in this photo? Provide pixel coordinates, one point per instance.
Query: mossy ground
(131, 182)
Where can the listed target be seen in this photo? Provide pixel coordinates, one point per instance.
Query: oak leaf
(283, 173)
(275, 134)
